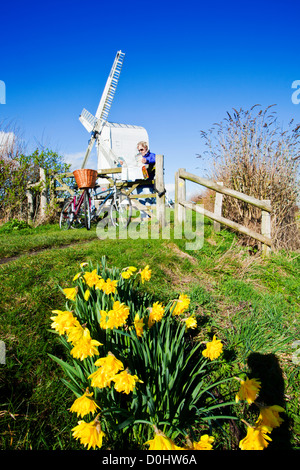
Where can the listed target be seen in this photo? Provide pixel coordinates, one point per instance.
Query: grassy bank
(251, 303)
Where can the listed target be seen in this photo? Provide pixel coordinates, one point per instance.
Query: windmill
(111, 137)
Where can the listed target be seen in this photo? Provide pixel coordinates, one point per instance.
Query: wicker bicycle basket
(85, 178)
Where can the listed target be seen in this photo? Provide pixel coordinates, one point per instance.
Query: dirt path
(40, 250)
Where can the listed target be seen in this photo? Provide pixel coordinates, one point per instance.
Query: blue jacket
(150, 157)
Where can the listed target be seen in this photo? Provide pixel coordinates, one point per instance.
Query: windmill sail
(110, 87)
(88, 120)
(96, 123)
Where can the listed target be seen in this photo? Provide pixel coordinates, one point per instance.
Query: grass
(43, 237)
(251, 303)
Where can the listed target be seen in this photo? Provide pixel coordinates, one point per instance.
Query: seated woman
(149, 159)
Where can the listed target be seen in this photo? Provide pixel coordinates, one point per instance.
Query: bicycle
(76, 211)
(83, 209)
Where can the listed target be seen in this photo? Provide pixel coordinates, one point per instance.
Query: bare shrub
(251, 153)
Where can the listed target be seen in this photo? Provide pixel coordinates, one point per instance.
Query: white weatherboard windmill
(114, 142)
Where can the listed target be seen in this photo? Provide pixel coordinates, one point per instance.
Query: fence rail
(181, 205)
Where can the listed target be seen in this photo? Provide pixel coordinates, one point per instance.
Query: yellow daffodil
(84, 405)
(70, 292)
(145, 274)
(91, 278)
(213, 349)
(77, 276)
(114, 318)
(132, 269)
(156, 313)
(110, 363)
(83, 264)
(128, 272)
(100, 378)
(62, 321)
(125, 382)
(75, 333)
(89, 434)
(139, 325)
(249, 390)
(85, 347)
(190, 322)
(107, 367)
(109, 287)
(205, 443)
(182, 304)
(269, 416)
(256, 438)
(161, 442)
(87, 294)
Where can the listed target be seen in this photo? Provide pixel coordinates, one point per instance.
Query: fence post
(43, 193)
(176, 198)
(266, 229)
(160, 186)
(218, 208)
(180, 195)
(30, 208)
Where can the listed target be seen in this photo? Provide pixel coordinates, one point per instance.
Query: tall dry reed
(251, 153)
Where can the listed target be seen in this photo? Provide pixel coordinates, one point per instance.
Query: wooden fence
(181, 205)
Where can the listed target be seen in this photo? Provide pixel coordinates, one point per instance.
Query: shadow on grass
(266, 368)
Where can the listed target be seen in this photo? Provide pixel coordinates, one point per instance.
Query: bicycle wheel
(120, 210)
(87, 210)
(66, 216)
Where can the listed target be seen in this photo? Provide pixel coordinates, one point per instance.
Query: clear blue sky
(186, 65)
